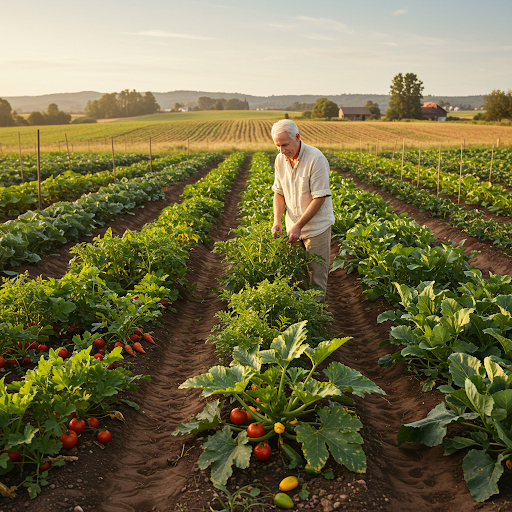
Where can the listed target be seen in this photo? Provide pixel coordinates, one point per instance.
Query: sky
(262, 48)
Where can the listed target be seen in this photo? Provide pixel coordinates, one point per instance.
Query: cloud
(163, 33)
(324, 23)
(399, 12)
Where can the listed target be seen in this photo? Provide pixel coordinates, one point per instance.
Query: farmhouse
(354, 113)
(433, 111)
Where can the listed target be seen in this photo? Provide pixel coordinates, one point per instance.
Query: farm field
(246, 130)
(145, 468)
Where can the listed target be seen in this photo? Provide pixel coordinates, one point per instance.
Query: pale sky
(263, 47)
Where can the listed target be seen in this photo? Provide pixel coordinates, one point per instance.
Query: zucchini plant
(285, 401)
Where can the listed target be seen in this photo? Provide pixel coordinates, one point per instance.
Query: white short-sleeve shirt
(299, 186)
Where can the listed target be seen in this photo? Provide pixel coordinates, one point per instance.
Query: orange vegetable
(147, 337)
(130, 351)
(138, 347)
(135, 337)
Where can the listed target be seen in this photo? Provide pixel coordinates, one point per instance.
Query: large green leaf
(247, 357)
(503, 434)
(482, 473)
(504, 303)
(503, 400)
(454, 444)
(290, 344)
(222, 451)
(505, 342)
(324, 349)
(221, 380)
(338, 432)
(482, 404)
(430, 430)
(208, 418)
(315, 390)
(493, 369)
(463, 366)
(350, 380)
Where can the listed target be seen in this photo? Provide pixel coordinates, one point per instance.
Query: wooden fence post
(113, 159)
(21, 160)
(38, 171)
(460, 172)
(438, 170)
(490, 169)
(419, 167)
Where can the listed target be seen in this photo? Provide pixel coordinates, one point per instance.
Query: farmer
(302, 186)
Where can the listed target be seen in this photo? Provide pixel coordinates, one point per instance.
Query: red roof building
(433, 111)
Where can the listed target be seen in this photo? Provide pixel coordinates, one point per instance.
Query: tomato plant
(104, 436)
(238, 416)
(63, 353)
(69, 439)
(99, 343)
(15, 455)
(45, 466)
(262, 451)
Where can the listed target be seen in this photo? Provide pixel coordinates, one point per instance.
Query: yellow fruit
(250, 417)
(509, 464)
(293, 422)
(288, 483)
(278, 428)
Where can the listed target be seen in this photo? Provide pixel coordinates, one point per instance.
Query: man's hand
(294, 234)
(277, 228)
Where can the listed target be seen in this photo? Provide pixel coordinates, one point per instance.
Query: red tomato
(33, 345)
(165, 303)
(138, 332)
(102, 351)
(104, 436)
(255, 430)
(69, 439)
(119, 344)
(94, 422)
(2, 362)
(110, 366)
(13, 361)
(98, 356)
(63, 353)
(45, 466)
(262, 451)
(238, 416)
(27, 360)
(135, 337)
(99, 343)
(15, 456)
(77, 425)
(42, 347)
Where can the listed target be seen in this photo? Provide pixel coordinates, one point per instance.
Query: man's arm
(311, 211)
(279, 205)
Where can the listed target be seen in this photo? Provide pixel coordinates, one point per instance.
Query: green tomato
(282, 500)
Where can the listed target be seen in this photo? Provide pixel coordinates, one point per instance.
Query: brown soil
(145, 469)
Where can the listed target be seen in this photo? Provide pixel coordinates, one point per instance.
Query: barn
(354, 113)
(433, 111)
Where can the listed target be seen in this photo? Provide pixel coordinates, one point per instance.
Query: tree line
(124, 104)
(53, 115)
(207, 103)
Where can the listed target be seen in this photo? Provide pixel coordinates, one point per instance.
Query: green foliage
(498, 105)
(256, 315)
(6, 118)
(325, 108)
(285, 393)
(125, 104)
(84, 120)
(374, 109)
(405, 93)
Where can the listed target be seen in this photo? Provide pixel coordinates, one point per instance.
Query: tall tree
(5, 113)
(150, 104)
(498, 105)
(405, 93)
(374, 109)
(205, 103)
(325, 108)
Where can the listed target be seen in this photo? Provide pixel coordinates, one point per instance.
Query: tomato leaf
(208, 418)
(221, 451)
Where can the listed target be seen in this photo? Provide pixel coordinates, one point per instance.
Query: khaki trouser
(321, 245)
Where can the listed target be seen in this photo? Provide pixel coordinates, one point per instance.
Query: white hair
(285, 125)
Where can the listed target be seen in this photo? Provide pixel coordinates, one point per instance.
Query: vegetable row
(452, 328)
(36, 232)
(274, 335)
(113, 287)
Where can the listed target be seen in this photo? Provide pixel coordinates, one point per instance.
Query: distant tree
(108, 107)
(178, 105)
(5, 113)
(444, 104)
(306, 114)
(125, 104)
(479, 117)
(405, 93)
(219, 104)
(325, 108)
(150, 104)
(19, 120)
(498, 105)
(236, 104)
(36, 119)
(286, 116)
(374, 109)
(205, 103)
(83, 120)
(55, 116)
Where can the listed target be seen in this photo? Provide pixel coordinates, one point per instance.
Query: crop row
(274, 335)
(450, 325)
(36, 232)
(53, 164)
(18, 199)
(469, 221)
(113, 287)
